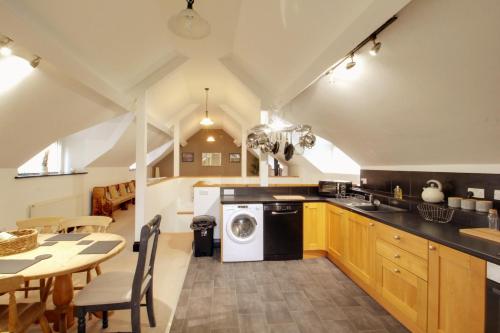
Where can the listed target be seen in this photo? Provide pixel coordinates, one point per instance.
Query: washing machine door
(242, 227)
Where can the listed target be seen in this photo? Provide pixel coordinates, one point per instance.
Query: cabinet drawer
(403, 258)
(403, 240)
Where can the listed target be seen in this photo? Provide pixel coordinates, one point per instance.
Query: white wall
(16, 195)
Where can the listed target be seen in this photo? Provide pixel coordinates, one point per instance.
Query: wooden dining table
(58, 269)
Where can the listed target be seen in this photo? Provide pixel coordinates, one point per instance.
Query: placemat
(66, 237)
(100, 247)
(13, 266)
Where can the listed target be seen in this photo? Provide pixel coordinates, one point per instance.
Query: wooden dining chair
(87, 224)
(44, 225)
(18, 317)
(123, 290)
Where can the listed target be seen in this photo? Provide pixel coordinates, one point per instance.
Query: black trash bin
(203, 227)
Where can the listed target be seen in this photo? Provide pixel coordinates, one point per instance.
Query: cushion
(131, 187)
(113, 192)
(123, 189)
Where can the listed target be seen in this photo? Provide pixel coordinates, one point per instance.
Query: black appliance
(334, 188)
(283, 234)
(493, 299)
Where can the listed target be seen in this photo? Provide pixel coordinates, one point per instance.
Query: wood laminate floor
(275, 296)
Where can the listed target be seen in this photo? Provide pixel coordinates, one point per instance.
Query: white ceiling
(430, 97)
(260, 54)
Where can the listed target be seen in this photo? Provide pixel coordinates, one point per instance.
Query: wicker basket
(26, 240)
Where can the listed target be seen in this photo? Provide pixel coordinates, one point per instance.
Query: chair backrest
(87, 224)
(9, 285)
(146, 260)
(45, 225)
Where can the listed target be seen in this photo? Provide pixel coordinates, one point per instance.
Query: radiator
(65, 206)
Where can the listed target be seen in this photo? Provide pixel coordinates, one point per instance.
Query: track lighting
(376, 47)
(5, 49)
(351, 63)
(35, 62)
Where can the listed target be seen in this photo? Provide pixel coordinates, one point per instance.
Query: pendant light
(189, 24)
(376, 47)
(206, 121)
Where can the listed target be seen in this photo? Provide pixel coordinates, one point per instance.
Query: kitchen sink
(380, 209)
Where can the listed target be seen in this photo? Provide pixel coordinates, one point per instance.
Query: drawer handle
(432, 247)
(396, 237)
(396, 270)
(397, 256)
(372, 224)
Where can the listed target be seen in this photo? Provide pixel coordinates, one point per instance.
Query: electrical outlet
(496, 195)
(229, 191)
(364, 181)
(478, 192)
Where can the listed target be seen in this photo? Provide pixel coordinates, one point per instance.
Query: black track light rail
(372, 36)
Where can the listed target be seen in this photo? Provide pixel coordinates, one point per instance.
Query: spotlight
(376, 47)
(35, 62)
(351, 63)
(329, 76)
(5, 49)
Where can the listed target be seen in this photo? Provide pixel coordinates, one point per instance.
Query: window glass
(34, 165)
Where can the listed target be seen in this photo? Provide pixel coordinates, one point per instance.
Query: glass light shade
(210, 139)
(5, 51)
(189, 24)
(206, 121)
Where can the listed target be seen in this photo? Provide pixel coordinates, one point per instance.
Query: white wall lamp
(210, 139)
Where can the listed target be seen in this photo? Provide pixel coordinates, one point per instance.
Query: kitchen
(306, 167)
(400, 249)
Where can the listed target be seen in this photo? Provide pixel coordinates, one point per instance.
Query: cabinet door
(335, 224)
(405, 291)
(360, 247)
(456, 291)
(314, 226)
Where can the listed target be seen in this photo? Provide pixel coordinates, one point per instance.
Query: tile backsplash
(412, 182)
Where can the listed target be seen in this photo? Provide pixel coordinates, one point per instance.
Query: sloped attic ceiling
(123, 153)
(429, 97)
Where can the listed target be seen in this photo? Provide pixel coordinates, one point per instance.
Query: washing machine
(243, 232)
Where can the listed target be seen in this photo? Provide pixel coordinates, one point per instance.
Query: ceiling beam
(174, 62)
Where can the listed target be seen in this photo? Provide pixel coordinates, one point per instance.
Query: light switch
(364, 181)
(478, 192)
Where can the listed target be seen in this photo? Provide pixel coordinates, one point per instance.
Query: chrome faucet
(370, 198)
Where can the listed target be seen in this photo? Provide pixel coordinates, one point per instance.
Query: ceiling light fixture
(206, 121)
(189, 24)
(5, 48)
(210, 139)
(351, 63)
(376, 47)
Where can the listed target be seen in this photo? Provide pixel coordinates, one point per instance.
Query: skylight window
(330, 159)
(35, 164)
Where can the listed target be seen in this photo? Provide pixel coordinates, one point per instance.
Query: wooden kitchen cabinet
(314, 226)
(456, 291)
(360, 247)
(335, 231)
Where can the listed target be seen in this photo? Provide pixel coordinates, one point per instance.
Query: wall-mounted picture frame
(234, 158)
(211, 159)
(187, 157)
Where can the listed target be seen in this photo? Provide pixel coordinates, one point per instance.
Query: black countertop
(447, 234)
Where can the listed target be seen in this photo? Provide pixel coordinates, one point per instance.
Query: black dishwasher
(283, 231)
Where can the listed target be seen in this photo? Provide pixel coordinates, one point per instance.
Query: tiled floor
(275, 296)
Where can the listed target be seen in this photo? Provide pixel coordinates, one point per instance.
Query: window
(34, 165)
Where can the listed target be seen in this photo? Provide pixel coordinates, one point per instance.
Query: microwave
(334, 188)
